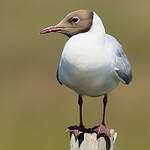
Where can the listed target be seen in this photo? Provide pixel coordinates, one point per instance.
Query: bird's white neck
(96, 32)
(97, 25)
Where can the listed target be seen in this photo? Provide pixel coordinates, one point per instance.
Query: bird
(93, 62)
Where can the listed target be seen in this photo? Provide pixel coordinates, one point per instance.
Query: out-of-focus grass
(35, 109)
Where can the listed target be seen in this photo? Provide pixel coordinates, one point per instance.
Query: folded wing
(120, 62)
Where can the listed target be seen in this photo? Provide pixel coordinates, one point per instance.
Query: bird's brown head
(74, 23)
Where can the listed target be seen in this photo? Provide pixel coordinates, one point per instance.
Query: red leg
(104, 109)
(80, 102)
(102, 128)
(77, 130)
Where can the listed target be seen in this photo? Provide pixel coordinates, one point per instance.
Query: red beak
(50, 29)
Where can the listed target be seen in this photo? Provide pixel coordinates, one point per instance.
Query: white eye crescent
(75, 19)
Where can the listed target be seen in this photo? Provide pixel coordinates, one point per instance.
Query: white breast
(85, 67)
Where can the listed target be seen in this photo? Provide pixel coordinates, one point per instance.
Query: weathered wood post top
(92, 141)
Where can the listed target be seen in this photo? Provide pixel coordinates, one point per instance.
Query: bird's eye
(75, 19)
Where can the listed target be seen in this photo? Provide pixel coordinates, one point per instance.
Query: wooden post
(92, 141)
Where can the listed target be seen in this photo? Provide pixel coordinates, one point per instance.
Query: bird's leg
(104, 109)
(102, 129)
(80, 102)
(77, 130)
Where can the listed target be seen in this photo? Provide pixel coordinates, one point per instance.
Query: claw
(76, 130)
(102, 129)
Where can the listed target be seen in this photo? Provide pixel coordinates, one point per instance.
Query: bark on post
(91, 141)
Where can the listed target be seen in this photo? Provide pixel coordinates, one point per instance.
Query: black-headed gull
(92, 62)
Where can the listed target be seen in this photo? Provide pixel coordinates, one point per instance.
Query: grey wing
(122, 67)
(121, 64)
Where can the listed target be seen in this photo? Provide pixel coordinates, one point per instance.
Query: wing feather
(121, 64)
(57, 75)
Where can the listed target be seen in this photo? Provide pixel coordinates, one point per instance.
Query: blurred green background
(35, 109)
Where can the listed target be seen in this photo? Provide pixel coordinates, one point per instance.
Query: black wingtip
(57, 75)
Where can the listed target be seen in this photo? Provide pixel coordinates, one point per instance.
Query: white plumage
(93, 62)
